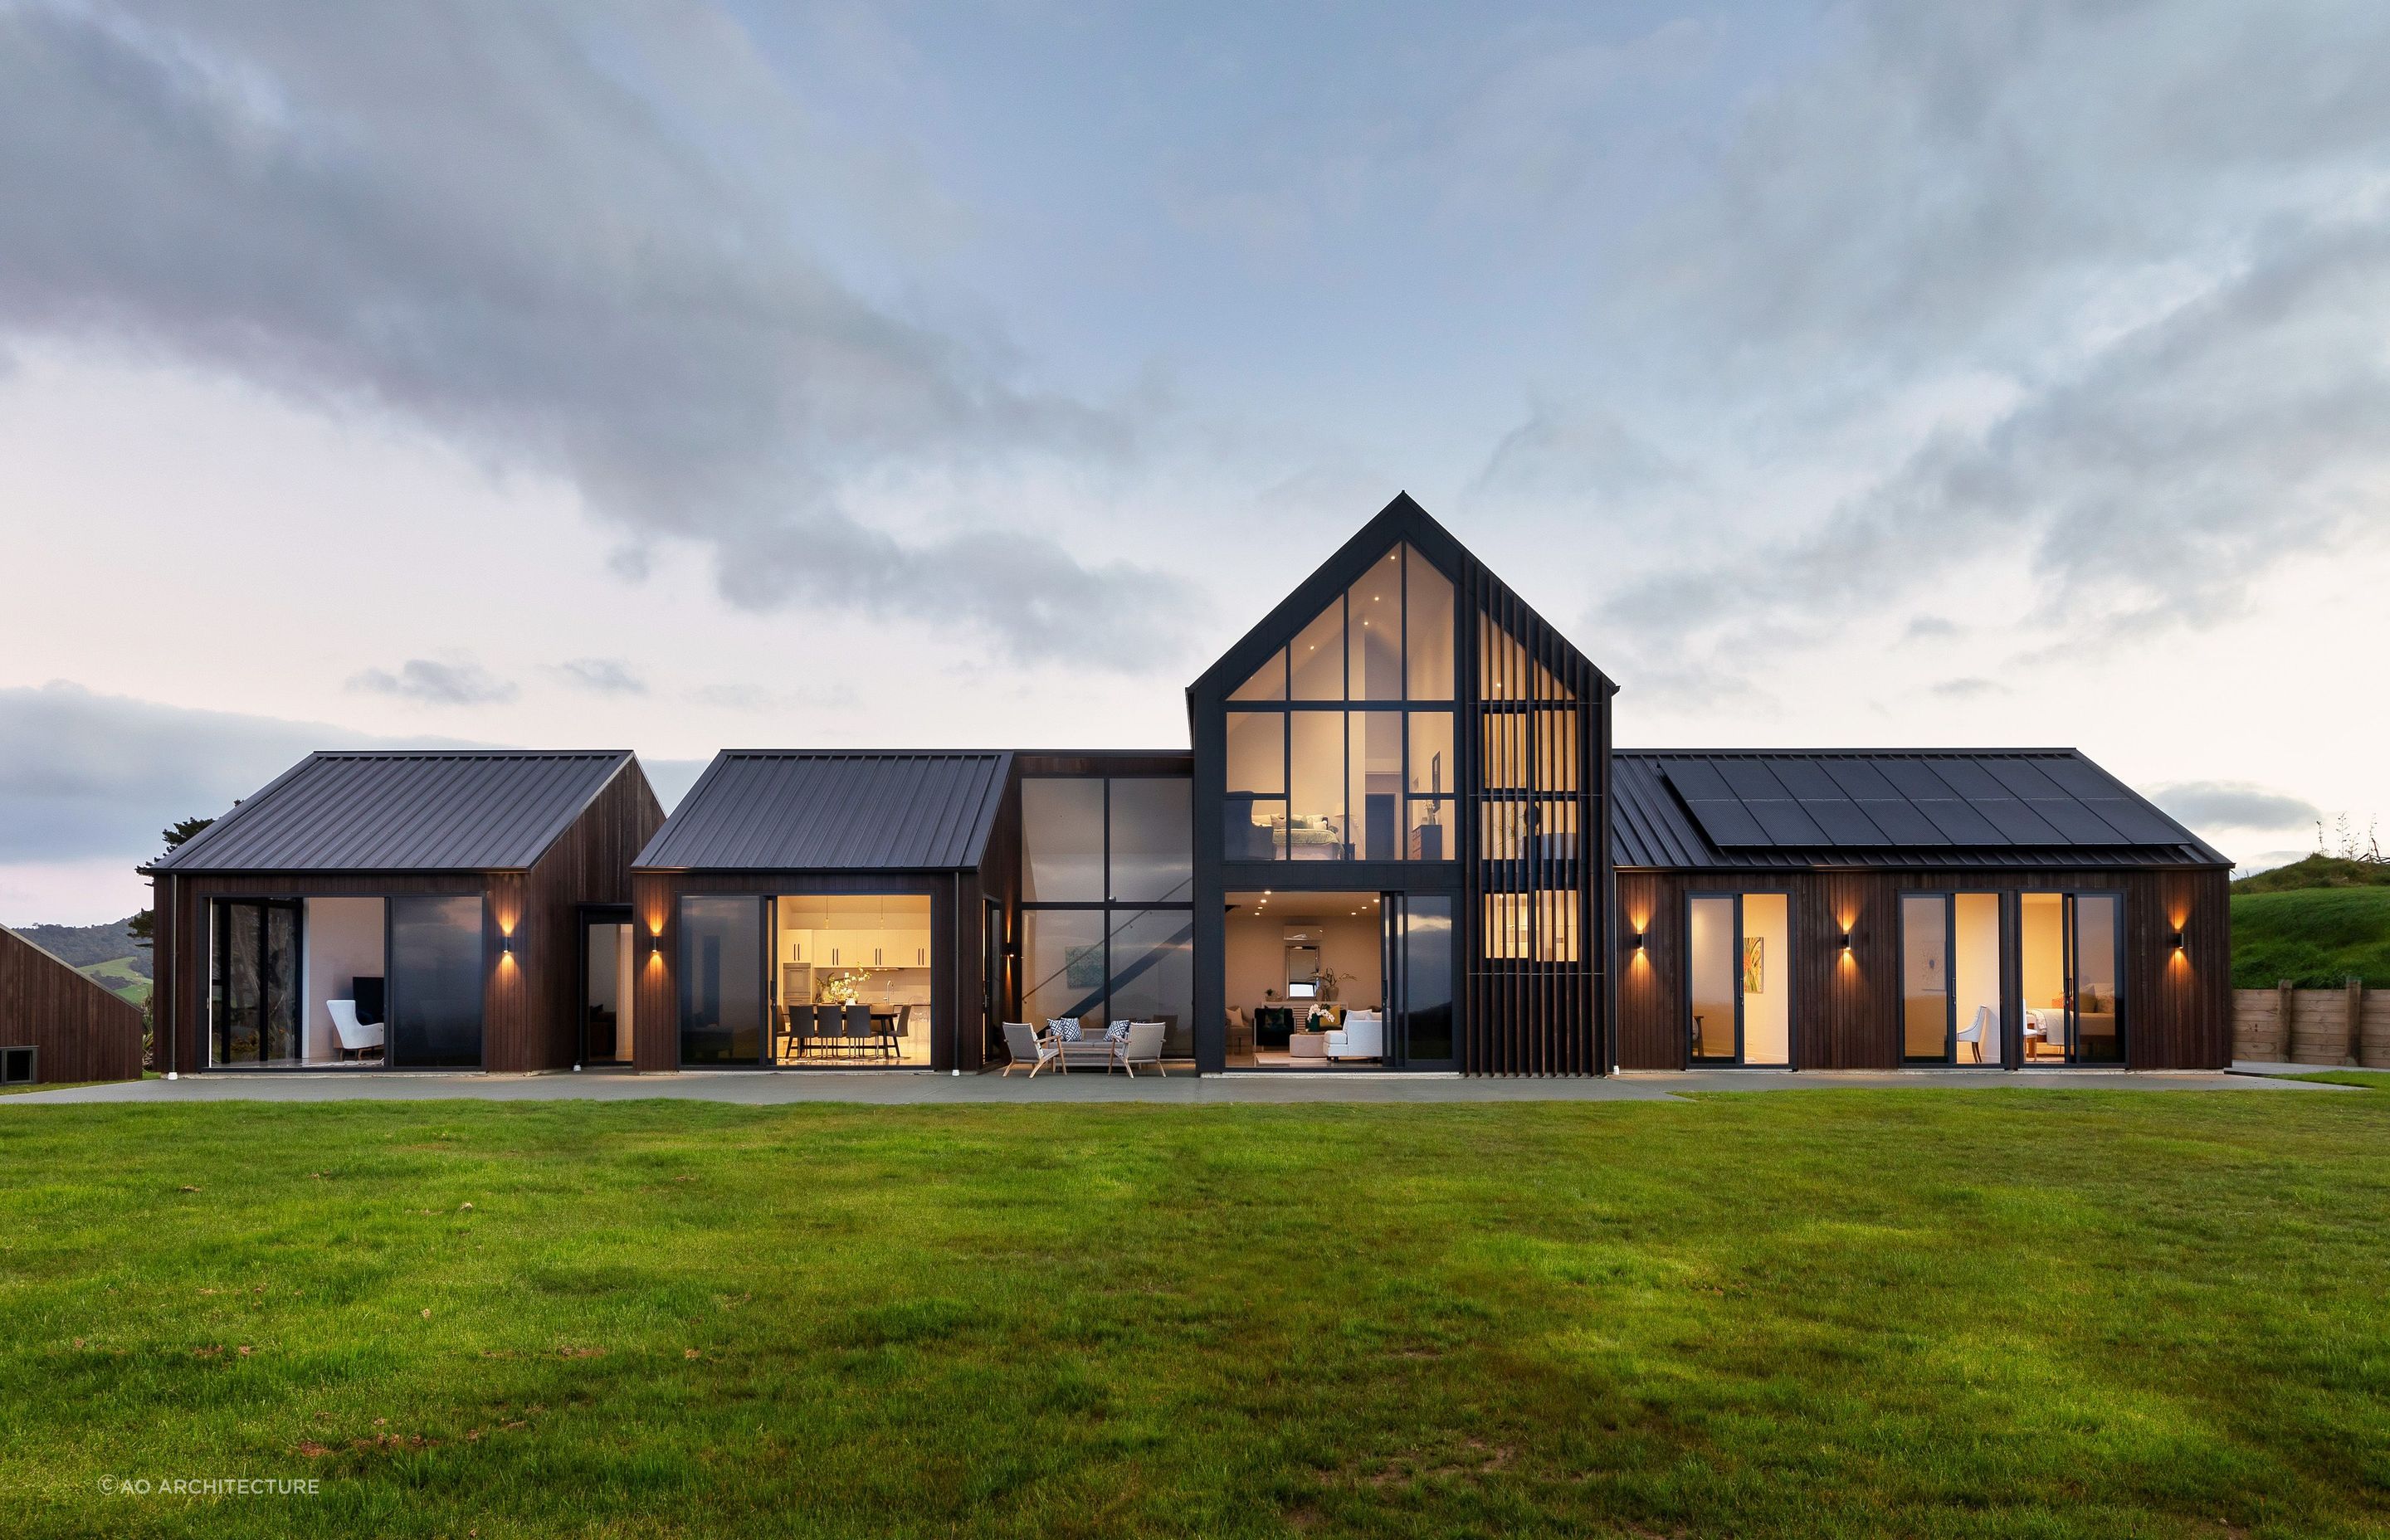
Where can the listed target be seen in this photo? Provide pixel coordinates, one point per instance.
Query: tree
(144, 925)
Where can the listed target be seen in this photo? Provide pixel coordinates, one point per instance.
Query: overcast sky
(680, 378)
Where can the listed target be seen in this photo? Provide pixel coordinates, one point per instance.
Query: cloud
(2234, 805)
(1930, 628)
(1583, 453)
(85, 776)
(434, 683)
(1969, 690)
(600, 259)
(601, 676)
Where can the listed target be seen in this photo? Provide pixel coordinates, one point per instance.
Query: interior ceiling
(1302, 908)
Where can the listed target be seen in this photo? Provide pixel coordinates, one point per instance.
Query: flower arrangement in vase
(841, 989)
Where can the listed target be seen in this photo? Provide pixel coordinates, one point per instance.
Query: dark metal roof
(450, 811)
(1886, 807)
(790, 810)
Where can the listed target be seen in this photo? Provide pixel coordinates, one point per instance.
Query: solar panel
(1892, 800)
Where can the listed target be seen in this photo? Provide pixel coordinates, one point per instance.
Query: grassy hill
(2318, 871)
(2315, 937)
(120, 975)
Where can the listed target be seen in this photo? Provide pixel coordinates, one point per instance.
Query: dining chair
(827, 1029)
(903, 1032)
(859, 1030)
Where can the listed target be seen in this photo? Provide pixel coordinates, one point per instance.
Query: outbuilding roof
(1886, 807)
(819, 810)
(443, 811)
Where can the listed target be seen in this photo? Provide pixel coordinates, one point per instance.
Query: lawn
(2315, 937)
(1922, 1313)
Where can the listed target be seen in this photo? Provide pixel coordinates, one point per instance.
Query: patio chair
(1141, 1045)
(355, 1037)
(1027, 1048)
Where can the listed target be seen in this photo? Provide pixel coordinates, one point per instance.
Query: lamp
(2173, 939)
(1847, 941)
(506, 943)
(1634, 943)
(656, 944)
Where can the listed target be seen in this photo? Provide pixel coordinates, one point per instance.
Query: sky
(680, 377)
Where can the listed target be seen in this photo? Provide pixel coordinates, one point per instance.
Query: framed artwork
(1754, 965)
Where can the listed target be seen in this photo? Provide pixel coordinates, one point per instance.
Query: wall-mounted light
(1847, 943)
(506, 944)
(655, 945)
(2175, 941)
(1635, 942)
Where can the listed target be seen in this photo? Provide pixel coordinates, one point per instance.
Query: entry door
(1416, 964)
(254, 1012)
(1739, 967)
(607, 963)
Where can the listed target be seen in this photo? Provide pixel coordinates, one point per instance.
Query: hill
(88, 945)
(2315, 937)
(2318, 871)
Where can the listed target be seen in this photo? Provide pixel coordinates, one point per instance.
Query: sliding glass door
(435, 982)
(1950, 979)
(1740, 961)
(1417, 968)
(255, 995)
(607, 960)
(2071, 948)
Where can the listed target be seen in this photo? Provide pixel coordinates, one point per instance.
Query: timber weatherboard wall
(81, 1029)
(573, 839)
(1511, 1016)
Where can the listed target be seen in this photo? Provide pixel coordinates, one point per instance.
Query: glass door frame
(1791, 984)
(584, 917)
(1393, 972)
(2011, 951)
(2069, 923)
(219, 980)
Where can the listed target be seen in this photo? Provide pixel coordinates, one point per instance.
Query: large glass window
(721, 979)
(1061, 839)
(2068, 966)
(435, 981)
(834, 950)
(1739, 968)
(1950, 977)
(1153, 861)
(1427, 979)
(1362, 784)
(1153, 973)
(1063, 959)
(254, 999)
(1925, 976)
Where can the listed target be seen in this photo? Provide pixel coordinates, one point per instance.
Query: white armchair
(1141, 1045)
(1986, 1024)
(355, 1037)
(1363, 1036)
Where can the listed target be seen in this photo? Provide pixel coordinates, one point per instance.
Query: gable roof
(1749, 808)
(448, 810)
(1400, 522)
(806, 810)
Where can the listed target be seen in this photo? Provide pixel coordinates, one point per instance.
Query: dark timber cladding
(1530, 877)
(78, 1029)
(1845, 834)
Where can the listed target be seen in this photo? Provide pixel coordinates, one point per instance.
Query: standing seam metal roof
(495, 810)
(800, 810)
(1919, 808)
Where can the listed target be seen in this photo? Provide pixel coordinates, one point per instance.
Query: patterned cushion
(1116, 1031)
(1064, 1028)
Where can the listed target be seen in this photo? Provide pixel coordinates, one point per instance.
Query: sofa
(1363, 1036)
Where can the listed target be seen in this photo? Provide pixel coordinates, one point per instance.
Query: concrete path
(761, 1088)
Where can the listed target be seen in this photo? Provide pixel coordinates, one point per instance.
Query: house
(58, 1026)
(452, 910)
(1401, 839)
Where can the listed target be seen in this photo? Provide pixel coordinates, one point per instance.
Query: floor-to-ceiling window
(1340, 747)
(1739, 959)
(1950, 977)
(1108, 878)
(721, 979)
(2069, 955)
(853, 980)
(255, 998)
(435, 982)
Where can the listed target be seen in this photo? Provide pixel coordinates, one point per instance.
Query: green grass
(2316, 871)
(118, 975)
(2371, 1080)
(1919, 1313)
(2315, 937)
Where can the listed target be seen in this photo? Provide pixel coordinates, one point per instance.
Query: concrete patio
(915, 1087)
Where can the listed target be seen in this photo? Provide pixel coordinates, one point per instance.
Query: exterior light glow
(2175, 941)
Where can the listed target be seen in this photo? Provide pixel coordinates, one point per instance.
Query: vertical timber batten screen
(1533, 840)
